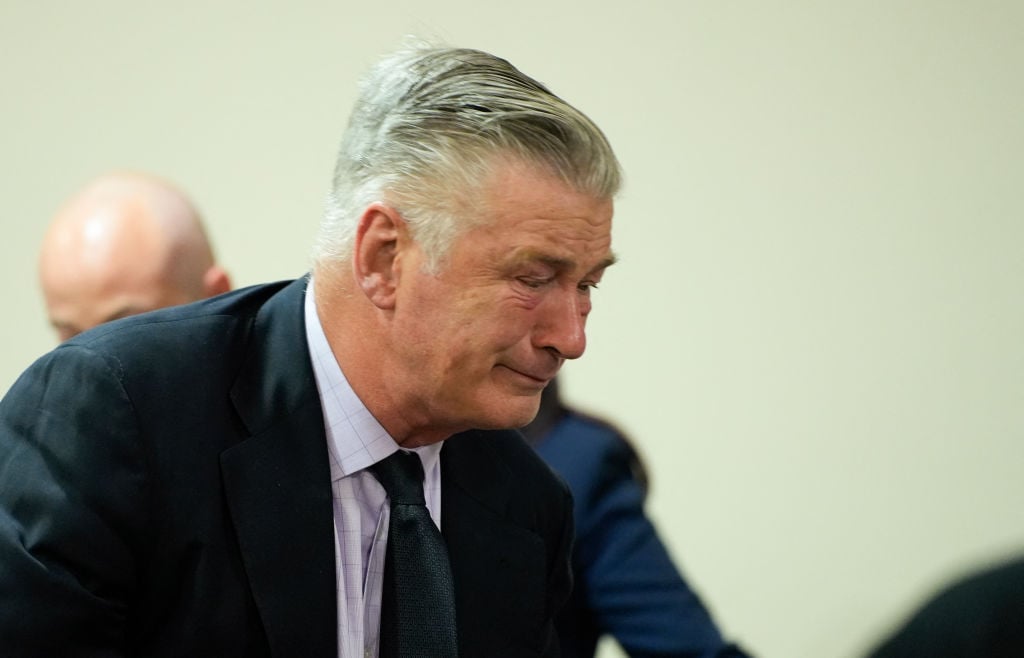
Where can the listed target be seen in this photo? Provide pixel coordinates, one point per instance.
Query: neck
(359, 336)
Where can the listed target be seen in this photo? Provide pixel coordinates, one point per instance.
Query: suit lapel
(497, 564)
(277, 484)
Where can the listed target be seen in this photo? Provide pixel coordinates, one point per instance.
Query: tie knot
(401, 475)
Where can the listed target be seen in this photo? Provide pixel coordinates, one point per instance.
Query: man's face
(103, 262)
(80, 303)
(483, 336)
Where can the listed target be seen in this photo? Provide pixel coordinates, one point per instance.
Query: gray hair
(431, 124)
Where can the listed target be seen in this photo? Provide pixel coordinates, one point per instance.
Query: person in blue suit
(625, 583)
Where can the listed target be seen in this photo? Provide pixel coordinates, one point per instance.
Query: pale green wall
(816, 331)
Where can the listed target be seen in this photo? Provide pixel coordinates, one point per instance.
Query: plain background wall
(816, 331)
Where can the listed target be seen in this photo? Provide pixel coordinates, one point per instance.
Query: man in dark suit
(202, 480)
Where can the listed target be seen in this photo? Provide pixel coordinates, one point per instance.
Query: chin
(512, 414)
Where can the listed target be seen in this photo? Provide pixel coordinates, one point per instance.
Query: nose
(561, 326)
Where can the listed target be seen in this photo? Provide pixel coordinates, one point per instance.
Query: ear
(375, 259)
(216, 281)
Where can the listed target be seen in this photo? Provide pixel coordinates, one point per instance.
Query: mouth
(540, 379)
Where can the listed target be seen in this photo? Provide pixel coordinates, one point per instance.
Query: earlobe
(375, 258)
(216, 281)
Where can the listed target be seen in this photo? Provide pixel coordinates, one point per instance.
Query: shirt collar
(355, 440)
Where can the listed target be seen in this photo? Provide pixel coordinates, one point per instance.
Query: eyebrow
(61, 325)
(533, 255)
(122, 312)
(608, 261)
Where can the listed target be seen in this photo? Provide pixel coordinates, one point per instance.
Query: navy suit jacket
(626, 584)
(165, 491)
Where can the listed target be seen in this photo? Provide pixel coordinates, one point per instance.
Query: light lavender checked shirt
(355, 440)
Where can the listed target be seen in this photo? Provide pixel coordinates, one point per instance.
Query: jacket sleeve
(627, 585)
(71, 491)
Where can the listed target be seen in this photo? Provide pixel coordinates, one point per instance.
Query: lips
(540, 375)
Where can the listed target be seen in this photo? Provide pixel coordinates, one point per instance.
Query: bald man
(127, 243)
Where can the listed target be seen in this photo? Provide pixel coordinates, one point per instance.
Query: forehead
(529, 213)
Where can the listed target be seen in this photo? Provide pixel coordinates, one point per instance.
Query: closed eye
(534, 282)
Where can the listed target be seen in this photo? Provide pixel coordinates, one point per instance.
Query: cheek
(489, 314)
(525, 300)
(469, 329)
(484, 337)
(511, 319)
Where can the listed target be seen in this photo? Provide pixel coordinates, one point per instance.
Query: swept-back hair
(428, 128)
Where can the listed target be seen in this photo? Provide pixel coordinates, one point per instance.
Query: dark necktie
(417, 615)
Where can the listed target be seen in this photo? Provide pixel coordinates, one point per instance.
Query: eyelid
(534, 281)
(536, 270)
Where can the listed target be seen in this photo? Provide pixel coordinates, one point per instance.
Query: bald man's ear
(216, 281)
(375, 259)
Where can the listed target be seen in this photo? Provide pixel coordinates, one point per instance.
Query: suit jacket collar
(277, 483)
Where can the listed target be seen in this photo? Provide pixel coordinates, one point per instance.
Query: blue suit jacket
(165, 491)
(626, 585)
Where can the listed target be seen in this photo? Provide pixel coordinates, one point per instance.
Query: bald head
(125, 244)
